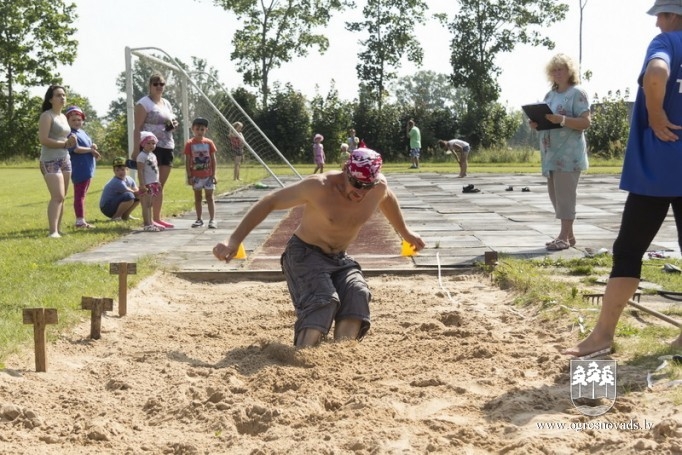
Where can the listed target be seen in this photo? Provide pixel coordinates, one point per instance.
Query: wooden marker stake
(97, 307)
(123, 269)
(40, 317)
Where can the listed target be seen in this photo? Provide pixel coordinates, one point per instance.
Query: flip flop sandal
(558, 245)
(595, 354)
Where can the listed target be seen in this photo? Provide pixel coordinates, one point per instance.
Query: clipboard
(536, 112)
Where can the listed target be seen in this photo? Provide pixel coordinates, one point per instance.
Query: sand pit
(201, 368)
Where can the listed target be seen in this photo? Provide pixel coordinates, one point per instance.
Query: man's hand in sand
(225, 252)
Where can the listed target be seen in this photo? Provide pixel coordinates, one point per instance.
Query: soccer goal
(200, 94)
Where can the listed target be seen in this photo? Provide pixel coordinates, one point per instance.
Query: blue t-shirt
(564, 149)
(114, 187)
(82, 164)
(653, 167)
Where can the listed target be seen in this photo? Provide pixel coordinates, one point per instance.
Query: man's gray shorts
(324, 287)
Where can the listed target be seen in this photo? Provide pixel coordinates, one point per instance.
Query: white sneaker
(212, 224)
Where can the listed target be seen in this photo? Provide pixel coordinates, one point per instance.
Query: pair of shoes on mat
(470, 189)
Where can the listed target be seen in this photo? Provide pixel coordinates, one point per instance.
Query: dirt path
(200, 368)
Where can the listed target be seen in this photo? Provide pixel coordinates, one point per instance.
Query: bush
(607, 136)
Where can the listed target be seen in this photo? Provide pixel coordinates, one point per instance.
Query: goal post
(200, 94)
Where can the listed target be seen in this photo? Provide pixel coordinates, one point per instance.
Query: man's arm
(284, 198)
(391, 209)
(654, 85)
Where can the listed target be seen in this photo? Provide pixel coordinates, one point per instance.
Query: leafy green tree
(427, 91)
(35, 37)
(489, 126)
(390, 25)
(433, 102)
(607, 136)
(482, 29)
(274, 32)
(383, 131)
(19, 134)
(286, 122)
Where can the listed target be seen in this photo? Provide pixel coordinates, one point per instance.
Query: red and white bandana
(364, 165)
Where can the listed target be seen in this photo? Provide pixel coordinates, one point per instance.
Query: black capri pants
(642, 219)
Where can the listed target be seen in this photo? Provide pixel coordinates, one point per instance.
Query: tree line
(461, 104)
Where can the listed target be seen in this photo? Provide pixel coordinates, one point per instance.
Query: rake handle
(655, 313)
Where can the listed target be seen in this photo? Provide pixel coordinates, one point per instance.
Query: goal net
(200, 94)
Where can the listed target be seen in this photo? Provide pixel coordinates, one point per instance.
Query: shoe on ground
(558, 245)
(198, 223)
(153, 228)
(118, 218)
(212, 224)
(54, 235)
(164, 224)
(84, 225)
(130, 218)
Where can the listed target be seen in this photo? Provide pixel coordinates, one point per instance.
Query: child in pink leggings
(83, 157)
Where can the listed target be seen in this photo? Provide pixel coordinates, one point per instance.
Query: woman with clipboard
(562, 143)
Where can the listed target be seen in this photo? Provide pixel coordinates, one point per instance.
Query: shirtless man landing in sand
(326, 285)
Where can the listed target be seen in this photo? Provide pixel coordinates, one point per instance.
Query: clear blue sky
(615, 36)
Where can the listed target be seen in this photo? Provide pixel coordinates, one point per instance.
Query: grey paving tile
(458, 228)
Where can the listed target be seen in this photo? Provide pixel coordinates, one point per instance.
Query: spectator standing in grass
(83, 156)
(201, 165)
(237, 144)
(318, 153)
(55, 139)
(154, 114)
(353, 141)
(415, 143)
(148, 173)
(651, 174)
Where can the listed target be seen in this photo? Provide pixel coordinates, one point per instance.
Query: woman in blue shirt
(651, 173)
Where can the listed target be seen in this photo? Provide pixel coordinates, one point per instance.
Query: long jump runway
(459, 228)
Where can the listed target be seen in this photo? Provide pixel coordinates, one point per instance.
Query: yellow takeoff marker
(241, 253)
(407, 249)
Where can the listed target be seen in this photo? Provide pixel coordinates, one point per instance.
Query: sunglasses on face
(158, 84)
(358, 185)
